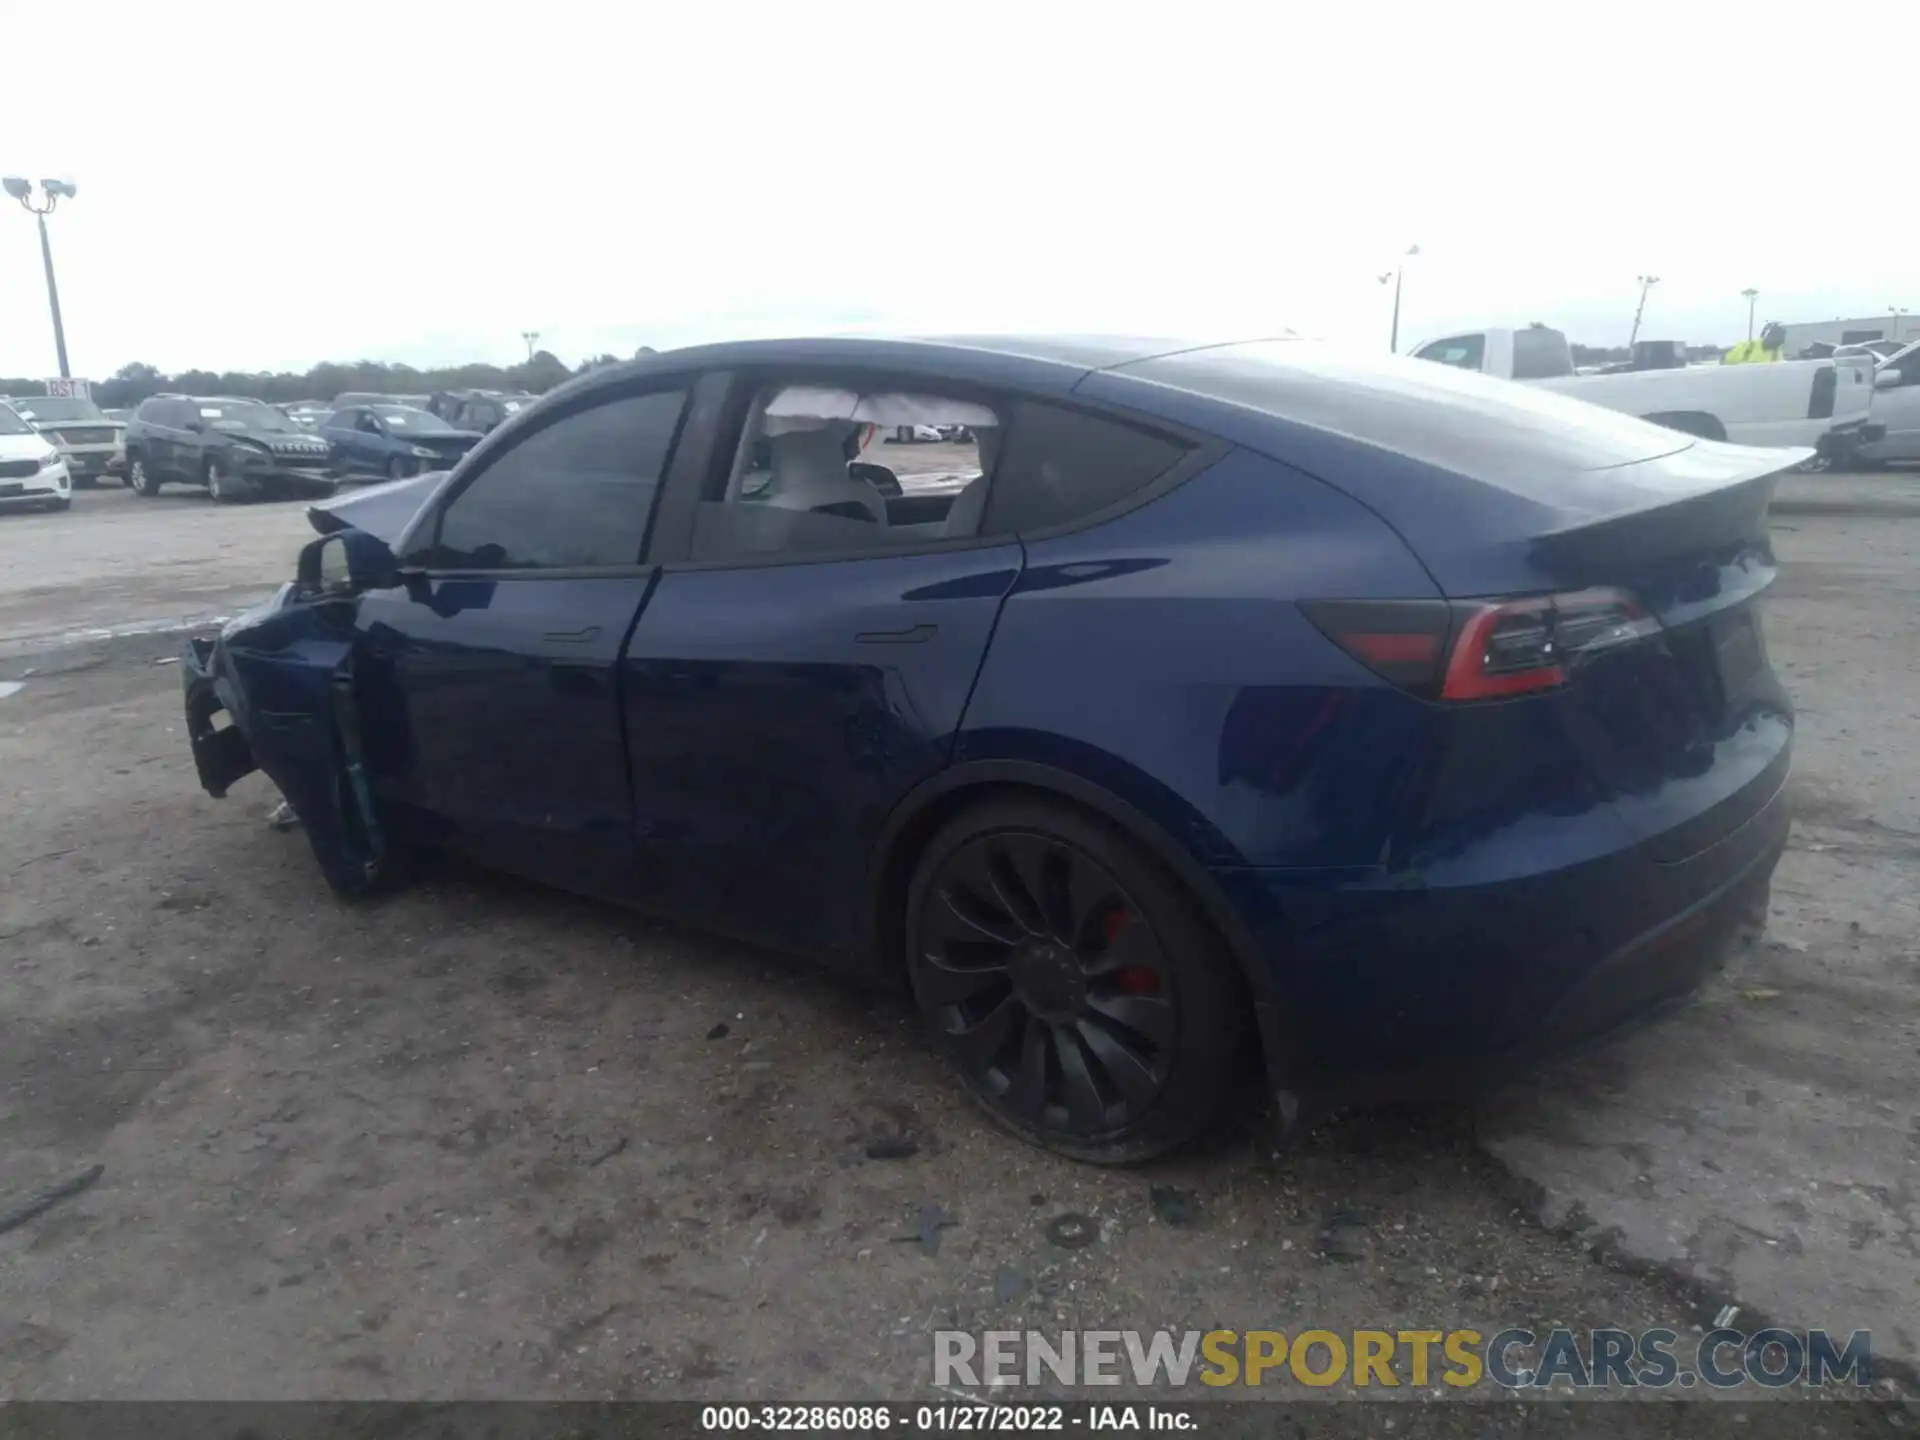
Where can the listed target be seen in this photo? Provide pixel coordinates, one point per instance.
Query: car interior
(804, 476)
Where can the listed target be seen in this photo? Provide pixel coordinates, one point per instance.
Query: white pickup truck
(1820, 403)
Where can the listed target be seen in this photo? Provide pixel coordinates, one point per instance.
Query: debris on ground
(1073, 1231)
(281, 817)
(1760, 992)
(892, 1147)
(608, 1153)
(1011, 1283)
(39, 1204)
(168, 660)
(718, 1032)
(1341, 1236)
(1176, 1207)
(933, 1218)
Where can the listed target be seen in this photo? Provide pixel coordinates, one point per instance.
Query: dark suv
(239, 449)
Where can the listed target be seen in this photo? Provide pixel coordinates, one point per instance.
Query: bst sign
(69, 390)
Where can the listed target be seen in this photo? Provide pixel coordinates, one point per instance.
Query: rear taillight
(1480, 649)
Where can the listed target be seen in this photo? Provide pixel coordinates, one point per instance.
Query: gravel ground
(486, 1140)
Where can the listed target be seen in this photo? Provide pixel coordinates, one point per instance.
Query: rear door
(783, 694)
(339, 432)
(487, 681)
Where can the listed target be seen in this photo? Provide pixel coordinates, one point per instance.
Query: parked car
(238, 449)
(479, 410)
(914, 434)
(393, 441)
(1896, 408)
(33, 472)
(1822, 403)
(1396, 723)
(368, 397)
(93, 443)
(307, 414)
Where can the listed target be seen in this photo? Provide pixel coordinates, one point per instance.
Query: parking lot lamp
(1646, 282)
(1752, 295)
(52, 192)
(1398, 276)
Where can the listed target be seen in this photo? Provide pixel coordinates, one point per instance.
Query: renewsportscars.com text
(1513, 1359)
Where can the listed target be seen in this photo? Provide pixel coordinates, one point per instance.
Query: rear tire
(1087, 1005)
(397, 469)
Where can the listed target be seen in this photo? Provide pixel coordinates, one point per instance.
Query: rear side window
(1059, 466)
(1539, 355)
(1464, 351)
(576, 493)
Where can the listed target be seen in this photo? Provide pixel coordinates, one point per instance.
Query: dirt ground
(483, 1140)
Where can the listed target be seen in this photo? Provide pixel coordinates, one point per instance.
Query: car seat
(963, 516)
(810, 473)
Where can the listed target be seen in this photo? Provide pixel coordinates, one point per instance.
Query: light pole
(1647, 282)
(1752, 295)
(52, 192)
(532, 337)
(1398, 276)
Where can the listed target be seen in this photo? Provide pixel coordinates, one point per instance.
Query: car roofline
(876, 351)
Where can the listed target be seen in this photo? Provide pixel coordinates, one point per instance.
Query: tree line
(131, 384)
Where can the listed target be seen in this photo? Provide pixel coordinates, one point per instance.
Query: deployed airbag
(813, 403)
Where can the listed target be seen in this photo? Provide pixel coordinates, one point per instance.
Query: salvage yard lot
(486, 1140)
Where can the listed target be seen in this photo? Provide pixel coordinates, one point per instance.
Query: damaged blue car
(1189, 713)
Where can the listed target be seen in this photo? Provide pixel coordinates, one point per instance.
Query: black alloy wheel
(1087, 1006)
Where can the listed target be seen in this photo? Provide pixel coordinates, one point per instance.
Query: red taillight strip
(1393, 649)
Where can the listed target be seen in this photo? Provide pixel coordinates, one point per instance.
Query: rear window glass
(1541, 355)
(1059, 466)
(1522, 437)
(1463, 351)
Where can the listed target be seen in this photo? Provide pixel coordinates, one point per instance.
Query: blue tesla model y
(1171, 715)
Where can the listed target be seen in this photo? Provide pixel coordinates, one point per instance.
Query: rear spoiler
(1699, 521)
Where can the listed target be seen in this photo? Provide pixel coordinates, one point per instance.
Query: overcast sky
(263, 186)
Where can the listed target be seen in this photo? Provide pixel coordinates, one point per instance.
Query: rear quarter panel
(1162, 656)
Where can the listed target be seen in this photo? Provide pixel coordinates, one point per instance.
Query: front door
(488, 681)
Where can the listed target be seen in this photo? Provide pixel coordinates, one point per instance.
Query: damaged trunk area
(277, 692)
